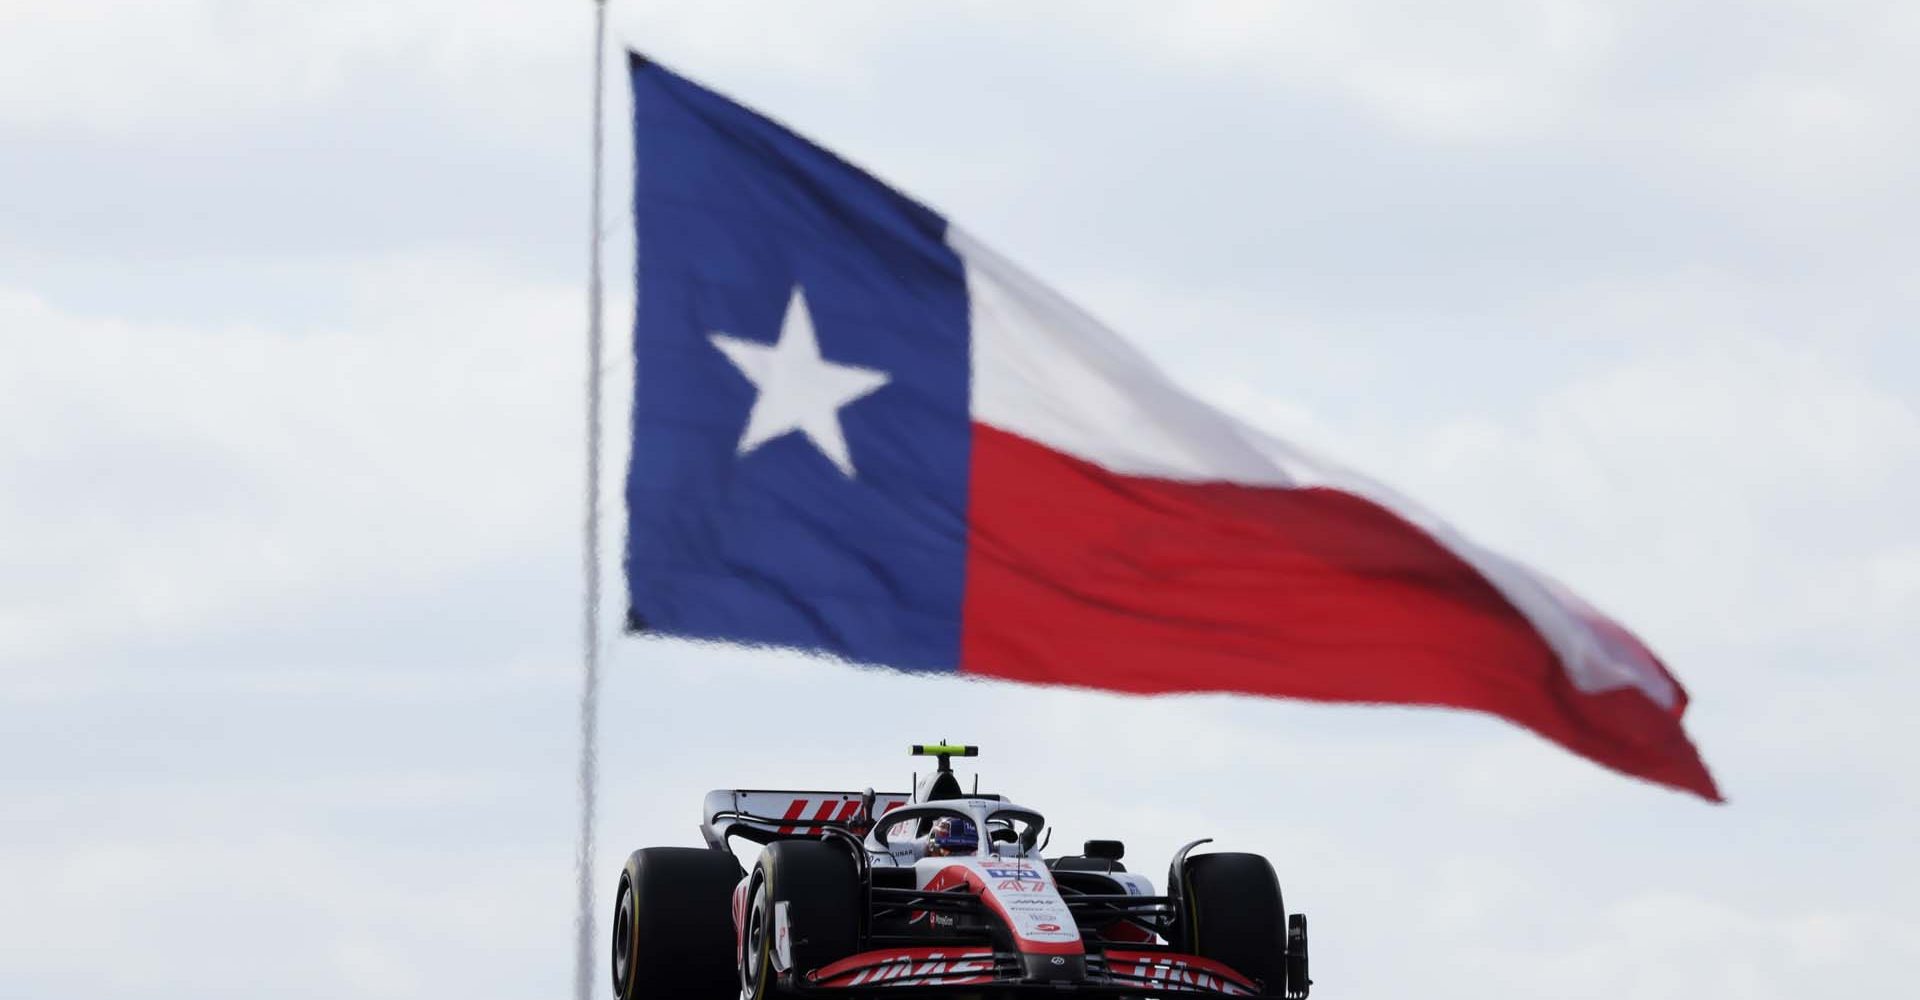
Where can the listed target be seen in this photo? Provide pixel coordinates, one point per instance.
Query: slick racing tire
(1234, 915)
(673, 924)
(814, 889)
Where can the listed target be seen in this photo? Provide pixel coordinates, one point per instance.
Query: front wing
(1118, 971)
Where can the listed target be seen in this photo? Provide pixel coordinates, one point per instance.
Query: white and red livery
(849, 892)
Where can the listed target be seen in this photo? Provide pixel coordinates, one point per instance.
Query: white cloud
(1807, 101)
(142, 69)
(1489, 69)
(170, 476)
(230, 912)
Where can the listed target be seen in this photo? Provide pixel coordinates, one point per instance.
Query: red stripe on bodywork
(739, 913)
(794, 811)
(1083, 577)
(1169, 965)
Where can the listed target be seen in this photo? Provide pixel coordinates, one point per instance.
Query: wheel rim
(623, 943)
(753, 943)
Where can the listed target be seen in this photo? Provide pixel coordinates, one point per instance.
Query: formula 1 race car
(938, 891)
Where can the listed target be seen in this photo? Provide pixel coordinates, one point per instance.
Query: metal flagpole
(590, 638)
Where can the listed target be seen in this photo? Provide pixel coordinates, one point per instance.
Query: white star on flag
(798, 389)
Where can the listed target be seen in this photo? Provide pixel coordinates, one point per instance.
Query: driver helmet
(952, 835)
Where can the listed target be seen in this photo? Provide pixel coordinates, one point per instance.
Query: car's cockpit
(1000, 828)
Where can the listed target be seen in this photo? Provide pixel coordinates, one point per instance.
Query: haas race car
(939, 891)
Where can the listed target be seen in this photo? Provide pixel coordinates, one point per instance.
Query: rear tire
(673, 924)
(1234, 915)
(817, 886)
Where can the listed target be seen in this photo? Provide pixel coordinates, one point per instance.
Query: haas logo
(935, 969)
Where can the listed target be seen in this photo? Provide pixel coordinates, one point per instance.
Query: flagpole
(590, 638)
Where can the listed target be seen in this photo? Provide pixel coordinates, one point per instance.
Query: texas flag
(857, 430)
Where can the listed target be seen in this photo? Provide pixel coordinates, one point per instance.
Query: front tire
(1234, 915)
(817, 888)
(673, 924)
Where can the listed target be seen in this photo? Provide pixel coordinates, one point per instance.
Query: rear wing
(763, 815)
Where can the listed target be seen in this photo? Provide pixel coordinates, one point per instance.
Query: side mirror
(863, 820)
(1105, 850)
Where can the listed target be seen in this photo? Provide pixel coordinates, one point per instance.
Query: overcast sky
(291, 310)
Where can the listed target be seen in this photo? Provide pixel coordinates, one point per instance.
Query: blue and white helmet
(953, 835)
